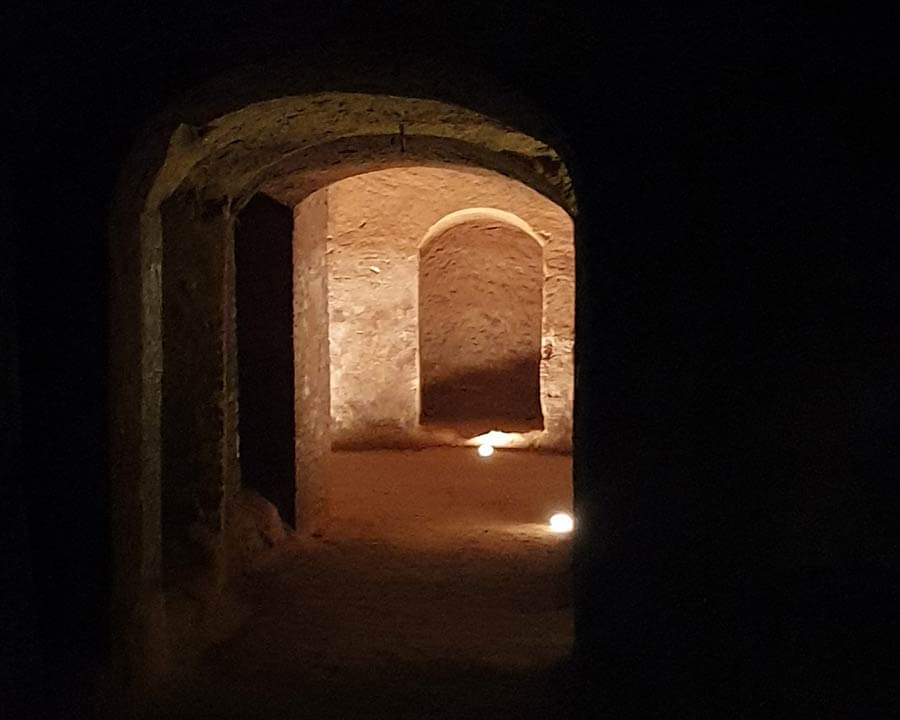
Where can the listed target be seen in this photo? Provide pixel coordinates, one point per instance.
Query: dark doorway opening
(264, 291)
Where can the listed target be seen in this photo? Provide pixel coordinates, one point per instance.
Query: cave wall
(480, 311)
(376, 222)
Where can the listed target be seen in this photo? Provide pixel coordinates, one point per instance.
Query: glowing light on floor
(496, 438)
(485, 450)
(561, 523)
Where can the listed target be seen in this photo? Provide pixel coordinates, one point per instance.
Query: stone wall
(376, 224)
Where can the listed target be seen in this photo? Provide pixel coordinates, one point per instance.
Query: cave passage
(324, 554)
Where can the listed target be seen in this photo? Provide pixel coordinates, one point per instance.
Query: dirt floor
(434, 591)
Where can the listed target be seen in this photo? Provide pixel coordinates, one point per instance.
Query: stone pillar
(198, 389)
(137, 609)
(312, 396)
(558, 337)
(230, 442)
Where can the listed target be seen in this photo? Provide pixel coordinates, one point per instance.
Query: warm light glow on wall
(485, 450)
(496, 439)
(561, 523)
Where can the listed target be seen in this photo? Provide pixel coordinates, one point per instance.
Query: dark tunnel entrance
(263, 289)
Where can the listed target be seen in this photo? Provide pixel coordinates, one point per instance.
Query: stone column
(312, 395)
(137, 609)
(198, 389)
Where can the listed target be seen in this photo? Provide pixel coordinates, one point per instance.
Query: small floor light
(485, 450)
(561, 523)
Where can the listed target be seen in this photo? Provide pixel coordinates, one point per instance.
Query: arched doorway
(175, 445)
(480, 322)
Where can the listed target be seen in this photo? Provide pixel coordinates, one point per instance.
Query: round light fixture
(561, 523)
(485, 450)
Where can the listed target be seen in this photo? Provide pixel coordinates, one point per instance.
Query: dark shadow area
(508, 395)
(440, 691)
(263, 260)
(19, 647)
(435, 592)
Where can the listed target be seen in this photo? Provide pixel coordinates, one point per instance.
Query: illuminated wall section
(377, 225)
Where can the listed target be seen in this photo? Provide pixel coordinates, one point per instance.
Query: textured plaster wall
(480, 292)
(376, 222)
(311, 372)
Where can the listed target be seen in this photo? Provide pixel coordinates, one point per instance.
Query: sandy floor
(435, 591)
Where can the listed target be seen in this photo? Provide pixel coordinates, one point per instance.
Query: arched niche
(480, 323)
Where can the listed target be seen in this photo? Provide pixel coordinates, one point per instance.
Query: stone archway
(174, 392)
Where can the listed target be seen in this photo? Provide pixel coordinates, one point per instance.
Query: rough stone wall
(311, 365)
(196, 395)
(376, 222)
(480, 292)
